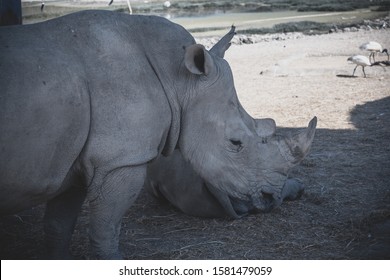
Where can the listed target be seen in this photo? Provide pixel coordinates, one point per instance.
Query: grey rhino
(89, 99)
(172, 178)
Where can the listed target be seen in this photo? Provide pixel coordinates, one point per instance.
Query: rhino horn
(222, 45)
(300, 143)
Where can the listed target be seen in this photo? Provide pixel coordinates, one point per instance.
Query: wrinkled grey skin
(88, 99)
(174, 179)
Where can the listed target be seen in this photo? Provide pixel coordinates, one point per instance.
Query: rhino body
(173, 179)
(89, 99)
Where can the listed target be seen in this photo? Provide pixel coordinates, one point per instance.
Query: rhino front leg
(109, 202)
(292, 189)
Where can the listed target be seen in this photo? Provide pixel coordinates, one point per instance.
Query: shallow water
(218, 23)
(207, 23)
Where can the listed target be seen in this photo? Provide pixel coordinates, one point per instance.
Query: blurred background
(205, 18)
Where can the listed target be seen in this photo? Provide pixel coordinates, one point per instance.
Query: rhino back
(130, 62)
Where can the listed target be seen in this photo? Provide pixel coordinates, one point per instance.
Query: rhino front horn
(299, 144)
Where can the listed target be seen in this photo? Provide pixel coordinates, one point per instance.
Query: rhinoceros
(89, 99)
(173, 179)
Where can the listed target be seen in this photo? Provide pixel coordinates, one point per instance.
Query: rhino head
(266, 177)
(221, 141)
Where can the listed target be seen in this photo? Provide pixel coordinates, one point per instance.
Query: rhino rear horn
(222, 45)
(299, 144)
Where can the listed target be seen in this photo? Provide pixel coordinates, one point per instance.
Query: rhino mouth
(261, 202)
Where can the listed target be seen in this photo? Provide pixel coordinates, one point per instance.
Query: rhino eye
(237, 144)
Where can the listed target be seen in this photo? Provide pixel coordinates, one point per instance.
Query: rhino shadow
(372, 121)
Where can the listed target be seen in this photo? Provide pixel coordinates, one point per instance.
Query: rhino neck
(174, 129)
(172, 97)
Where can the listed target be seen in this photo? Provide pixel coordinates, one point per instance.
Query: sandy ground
(344, 212)
(294, 80)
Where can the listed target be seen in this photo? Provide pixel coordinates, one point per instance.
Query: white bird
(373, 47)
(360, 60)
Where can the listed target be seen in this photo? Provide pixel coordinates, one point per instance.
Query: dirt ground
(345, 210)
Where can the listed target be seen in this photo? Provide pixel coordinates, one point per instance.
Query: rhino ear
(220, 48)
(197, 60)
